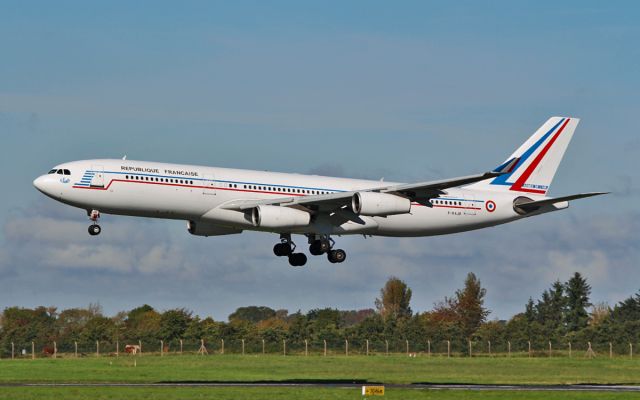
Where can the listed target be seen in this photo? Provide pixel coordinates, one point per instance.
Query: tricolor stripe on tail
(532, 166)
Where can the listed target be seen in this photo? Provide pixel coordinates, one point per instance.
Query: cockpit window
(59, 172)
(53, 171)
(67, 172)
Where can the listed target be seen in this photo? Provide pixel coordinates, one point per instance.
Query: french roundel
(490, 206)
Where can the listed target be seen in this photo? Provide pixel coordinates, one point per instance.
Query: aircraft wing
(332, 201)
(434, 188)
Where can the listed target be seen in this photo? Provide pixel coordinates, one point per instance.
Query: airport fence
(319, 347)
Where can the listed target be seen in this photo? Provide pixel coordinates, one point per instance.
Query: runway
(348, 385)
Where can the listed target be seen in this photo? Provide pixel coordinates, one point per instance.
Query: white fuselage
(188, 192)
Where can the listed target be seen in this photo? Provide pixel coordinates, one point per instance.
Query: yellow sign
(373, 390)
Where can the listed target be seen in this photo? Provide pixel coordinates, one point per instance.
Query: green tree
(174, 323)
(578, 292)
(469, 305)
(143, 323)
(23, 325)
(252, 314)
(99, 328)
(394, 299)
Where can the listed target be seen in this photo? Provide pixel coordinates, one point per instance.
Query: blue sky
(405, 90)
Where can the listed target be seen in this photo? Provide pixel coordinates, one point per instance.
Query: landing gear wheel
(282, 249)
(94, 230)
(319, 247)
(297, 259)
(336, 256)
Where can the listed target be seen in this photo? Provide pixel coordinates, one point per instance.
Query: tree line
(563, 313)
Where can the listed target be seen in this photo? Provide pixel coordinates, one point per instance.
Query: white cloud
(216, 275)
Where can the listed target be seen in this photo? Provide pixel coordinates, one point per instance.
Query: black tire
(324, 245)
(297, 259)
(339, 255)
(94, 230)
(315, 249)
(282, 249)
(331, 257)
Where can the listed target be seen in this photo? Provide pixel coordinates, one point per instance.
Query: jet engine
(379, 204)
(208, 229)
(279, 217)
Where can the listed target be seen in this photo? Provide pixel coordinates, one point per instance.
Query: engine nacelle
(207, 229)
(279, 217)
(379, 204)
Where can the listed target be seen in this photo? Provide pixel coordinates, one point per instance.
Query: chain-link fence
(319, 347)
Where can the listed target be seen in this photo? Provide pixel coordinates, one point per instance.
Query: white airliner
(221, 201)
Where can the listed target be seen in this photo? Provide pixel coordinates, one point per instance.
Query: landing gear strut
(94, 229)
(286, 247)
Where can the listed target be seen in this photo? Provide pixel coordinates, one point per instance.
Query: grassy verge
(287, 393)
(393, 369)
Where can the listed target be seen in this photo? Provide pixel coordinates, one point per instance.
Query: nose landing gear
(94, 229)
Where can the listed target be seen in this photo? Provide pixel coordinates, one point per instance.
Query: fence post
(509, 348)
(407, 340)
(13, 350)
(448, 348)
(180, 346)
(367, 346)
(33, 351)
(429, 348)
(55, 349)
(569, 349)
(97, 348)
(117, 348)
(306, 347)
(549, 348)
(284, 347)
(469, 347)
(346, 347)
(222, 346)
(262, 346)
(75, 348)
(386, 343)
(140, 345)
(325, 348)
(489, 343)
(529, 341)
(631, 351)
(610, 350)
(161, 348)
(242, 346)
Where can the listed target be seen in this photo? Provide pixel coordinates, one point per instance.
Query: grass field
(392, 369)
(289, 393)
(237, 368)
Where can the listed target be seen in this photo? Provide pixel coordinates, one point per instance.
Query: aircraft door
(97, 180)
(209, 185)
(469, 205)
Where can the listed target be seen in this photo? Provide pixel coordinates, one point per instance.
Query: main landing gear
(94, 229)
(321, 244)
(318, 245)
(286, 247)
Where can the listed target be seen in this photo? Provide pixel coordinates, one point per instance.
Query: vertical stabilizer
(531, 168)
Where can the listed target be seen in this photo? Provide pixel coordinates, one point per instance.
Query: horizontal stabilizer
(529, 206)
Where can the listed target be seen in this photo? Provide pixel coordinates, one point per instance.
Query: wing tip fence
(323, 347)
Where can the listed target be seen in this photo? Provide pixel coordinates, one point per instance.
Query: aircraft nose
(44, 184)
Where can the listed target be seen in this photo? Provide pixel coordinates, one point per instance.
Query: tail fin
(531, 168)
